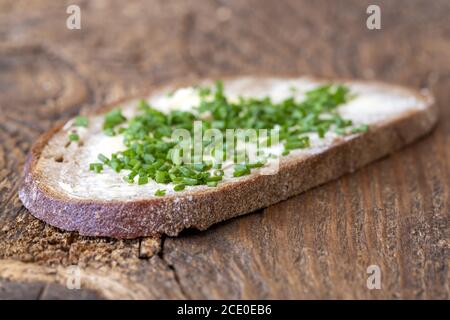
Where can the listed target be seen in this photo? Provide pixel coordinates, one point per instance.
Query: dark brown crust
(170, 215)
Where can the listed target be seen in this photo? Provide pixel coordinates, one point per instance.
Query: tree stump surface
(394, 213)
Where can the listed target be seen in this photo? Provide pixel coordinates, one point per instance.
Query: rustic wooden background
(394, 213)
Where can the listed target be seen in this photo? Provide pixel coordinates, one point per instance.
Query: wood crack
(173, 270)
(42, 292)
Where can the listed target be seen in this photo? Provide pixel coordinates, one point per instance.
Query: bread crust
(200, 209)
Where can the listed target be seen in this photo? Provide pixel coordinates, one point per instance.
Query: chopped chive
(142, 180)
(127, 179)
(297, 143)
(256, 165)
(97, 167)
(131, 176)
(162, 177)
(81, 121)
(143, 105)
(109, 132)
(179, 187)
(212, 183)
(74, 137)
(241, 170)
(113, 119)
(189, 181)
(137, 166)
(339, 131)
(201, 166)
(361, 128)
(102, 158)
(149, 158)
(215, 178)
(160, 192)
(116, 165)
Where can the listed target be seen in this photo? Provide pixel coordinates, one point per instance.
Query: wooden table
(394, 213)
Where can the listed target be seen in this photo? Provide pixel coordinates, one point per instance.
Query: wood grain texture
(42, 291)
(394, 213)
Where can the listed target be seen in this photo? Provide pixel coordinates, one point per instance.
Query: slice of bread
(59, 189)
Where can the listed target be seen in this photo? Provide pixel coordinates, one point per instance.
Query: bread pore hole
(59, 158)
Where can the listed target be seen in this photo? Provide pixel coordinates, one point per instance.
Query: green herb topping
(81, 121)
(112, 120)
(74, 137)
(150, 150)
(97, 167)
(160, 192)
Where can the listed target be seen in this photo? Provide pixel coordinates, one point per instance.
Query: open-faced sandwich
(192, 156)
